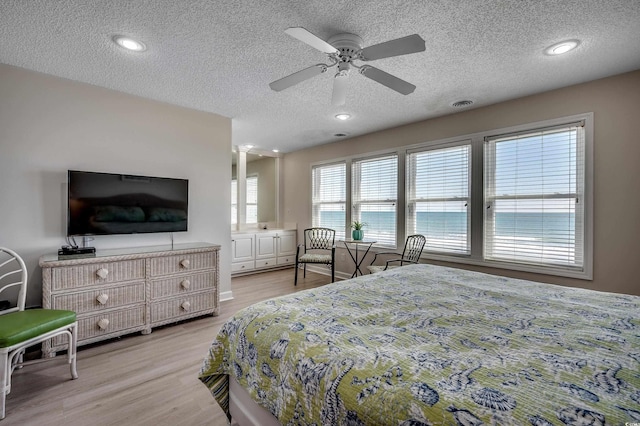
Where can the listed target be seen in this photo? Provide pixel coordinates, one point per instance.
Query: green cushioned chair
(20, 328)
(318, 248)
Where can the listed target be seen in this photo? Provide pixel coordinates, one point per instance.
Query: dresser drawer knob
(102, 298)
(103, 323)
(185, 306)
(185, 284)
(185, 263)
(102, 273)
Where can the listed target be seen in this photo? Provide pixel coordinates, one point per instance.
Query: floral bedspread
(429, 345)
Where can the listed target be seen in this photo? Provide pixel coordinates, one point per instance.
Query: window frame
(356, 202)
(340, 233)
(411, 201)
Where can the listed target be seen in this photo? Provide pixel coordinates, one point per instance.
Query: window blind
(438, 198)
(374, 195)
(534, 203)
(252, 199)
(329, 194)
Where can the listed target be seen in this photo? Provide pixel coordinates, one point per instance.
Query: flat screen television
(109, 203)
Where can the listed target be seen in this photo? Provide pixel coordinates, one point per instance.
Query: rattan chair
(411, 254)
(318, 248)
(20, 328)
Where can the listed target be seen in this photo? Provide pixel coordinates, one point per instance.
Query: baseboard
(226, 295)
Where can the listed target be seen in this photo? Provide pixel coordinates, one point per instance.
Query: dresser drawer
(106, 323)
(78, 276)
(101, 298)
(182, 306)
(167, 265)
(182, 284)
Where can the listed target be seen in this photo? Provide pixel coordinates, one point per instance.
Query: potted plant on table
(357, 233)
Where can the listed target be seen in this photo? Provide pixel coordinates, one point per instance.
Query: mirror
(255, 174)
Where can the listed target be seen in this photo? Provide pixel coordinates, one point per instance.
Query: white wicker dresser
(122, 291)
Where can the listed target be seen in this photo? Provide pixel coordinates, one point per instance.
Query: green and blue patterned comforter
(428, 345)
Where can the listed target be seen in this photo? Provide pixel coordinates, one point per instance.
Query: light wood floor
(140, 380)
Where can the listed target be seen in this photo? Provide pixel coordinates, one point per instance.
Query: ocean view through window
(534, 197)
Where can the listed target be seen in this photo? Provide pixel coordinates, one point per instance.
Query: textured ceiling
(220, 56)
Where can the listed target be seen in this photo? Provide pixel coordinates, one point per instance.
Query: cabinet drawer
(286, 260)
(182, 263)
(182, 306)
(243, 266)
(100, 298)
(77, 276)
(266, 263)
(106, 323)
(182, 284)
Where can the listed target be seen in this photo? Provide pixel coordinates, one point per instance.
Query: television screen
(108, 203)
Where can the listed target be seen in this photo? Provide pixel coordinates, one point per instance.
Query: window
(438, 200)
(519, 198)
(534, 197)
(234, 202)
(374, 194)
(252, 199)
(329, 195)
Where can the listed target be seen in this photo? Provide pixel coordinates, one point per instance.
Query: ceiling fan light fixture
(562, 47)
(129, 43)
(343, 116)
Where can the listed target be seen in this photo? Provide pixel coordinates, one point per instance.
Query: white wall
(49, 125)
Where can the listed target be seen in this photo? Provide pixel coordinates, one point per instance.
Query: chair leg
(4, 371)
(295, 281)
(333, 272)
(305, 271)
(72, 351)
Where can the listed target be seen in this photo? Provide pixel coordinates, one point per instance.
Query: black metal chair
(319, 248)
(411, 254)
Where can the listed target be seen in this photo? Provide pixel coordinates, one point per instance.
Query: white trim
(226, 295)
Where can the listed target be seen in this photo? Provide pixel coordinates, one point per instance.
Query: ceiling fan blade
(339, 96)
(386, 79)
(297, 77)
(400, 46)
(311, 39)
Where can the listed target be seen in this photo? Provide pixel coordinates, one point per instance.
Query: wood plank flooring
(140, 380)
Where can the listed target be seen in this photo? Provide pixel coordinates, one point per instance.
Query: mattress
(429, 345)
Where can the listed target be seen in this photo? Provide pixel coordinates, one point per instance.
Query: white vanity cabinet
(242, 252)
(272, 249)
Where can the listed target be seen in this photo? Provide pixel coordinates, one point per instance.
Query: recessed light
(129, 43)
(275, 150)
(562, 47)
(343, 116)
(340, 135)
(461, 104)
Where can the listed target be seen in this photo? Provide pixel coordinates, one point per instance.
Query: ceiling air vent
(462, 104)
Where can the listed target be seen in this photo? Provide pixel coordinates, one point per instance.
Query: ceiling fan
(342, 50)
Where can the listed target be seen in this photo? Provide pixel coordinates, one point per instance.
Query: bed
(429, 345)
